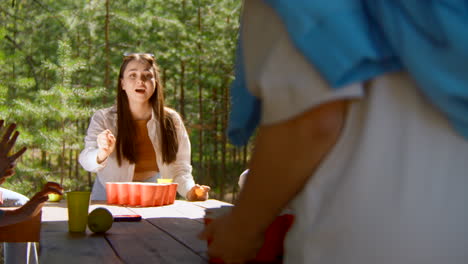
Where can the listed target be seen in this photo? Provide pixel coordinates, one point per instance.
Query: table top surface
(166, 234)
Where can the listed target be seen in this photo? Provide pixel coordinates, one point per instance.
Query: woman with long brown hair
(139, 139)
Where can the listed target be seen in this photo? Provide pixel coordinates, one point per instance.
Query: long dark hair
(125, 128)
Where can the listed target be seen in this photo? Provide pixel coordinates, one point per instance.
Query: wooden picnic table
(166, 234)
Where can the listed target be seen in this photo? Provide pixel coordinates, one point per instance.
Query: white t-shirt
(394, 187)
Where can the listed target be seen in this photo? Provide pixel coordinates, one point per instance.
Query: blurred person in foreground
(362, 109)
(18, 252)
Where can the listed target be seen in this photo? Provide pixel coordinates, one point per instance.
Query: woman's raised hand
(7, 161)
(106, 144)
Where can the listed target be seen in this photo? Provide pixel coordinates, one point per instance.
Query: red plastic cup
(122, 197)
(158, 198)
(165, 194)
(172, 192)
(148, 191)
(272, 249)
(134, 190)
(111, 192)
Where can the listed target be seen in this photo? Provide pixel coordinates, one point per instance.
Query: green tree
(54, 59)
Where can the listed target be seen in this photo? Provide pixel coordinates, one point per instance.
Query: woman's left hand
(198, 193)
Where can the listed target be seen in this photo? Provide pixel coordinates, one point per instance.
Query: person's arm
(32, 207)
(195, 192)
(285, 157)
(181, 169)
(89, 156)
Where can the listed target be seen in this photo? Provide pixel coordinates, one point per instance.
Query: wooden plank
(211, 203)
(53, 211)
(180, 226)
(189, 210)
(142, 242)
(188, 234)
(183, 230)
(59, 211)
(183, 246)
(114, 209)
(181, 209)
(160, 211)
(196, 210)
(168, 234)
(176, 222)
(57, 245)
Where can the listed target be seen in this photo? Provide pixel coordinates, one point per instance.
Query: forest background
(59, 62)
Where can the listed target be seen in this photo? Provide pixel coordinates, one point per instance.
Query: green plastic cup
(78, 204)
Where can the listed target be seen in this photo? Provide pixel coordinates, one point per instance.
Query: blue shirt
(355, 40)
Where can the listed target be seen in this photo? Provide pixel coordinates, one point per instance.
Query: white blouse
(109, 171)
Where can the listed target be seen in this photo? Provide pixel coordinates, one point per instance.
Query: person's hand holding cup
(35, 204)
(106, 144)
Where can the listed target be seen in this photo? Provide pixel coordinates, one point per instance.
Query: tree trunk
(182, 89)
(62, 158)
(11, 90)
(32, 156)
(77, 165)
(77, 151)
(200, 103)
(224, 139)
(215, 160)
(43, 158)
(107, 66)
(78, 43)
(175, 98)
(70, 163)
(88, 59)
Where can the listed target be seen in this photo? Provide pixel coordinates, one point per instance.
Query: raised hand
(7, 162)
(198, 193)
(106, 144)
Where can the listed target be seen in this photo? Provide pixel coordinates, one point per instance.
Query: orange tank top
(145, 155)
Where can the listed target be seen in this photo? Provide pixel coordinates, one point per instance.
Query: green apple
(53, 197)
(100, 220)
